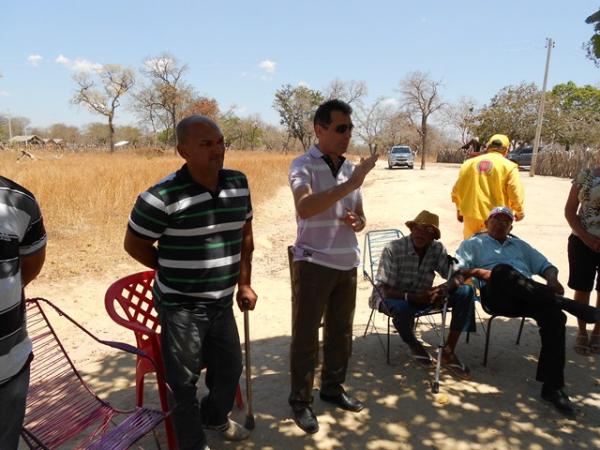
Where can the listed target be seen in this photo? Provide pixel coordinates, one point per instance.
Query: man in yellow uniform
(485, 182)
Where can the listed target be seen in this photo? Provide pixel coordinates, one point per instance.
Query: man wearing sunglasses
(329, 213)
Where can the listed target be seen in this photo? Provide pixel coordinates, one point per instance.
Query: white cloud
(390, 101)
(268, 66)
(83, 65)
(4, 94)
(78, 65)
(62, 59)
(34, 60)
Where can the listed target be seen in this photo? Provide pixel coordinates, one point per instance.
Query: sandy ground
(497, 408)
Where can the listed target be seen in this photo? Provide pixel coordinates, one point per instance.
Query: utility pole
(538, 130)
(9, 126)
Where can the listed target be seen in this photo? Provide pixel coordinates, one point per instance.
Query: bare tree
(116, 81)
(162, 101)
(347, 91)
(461, 117)
(372, 120)
(420, 99)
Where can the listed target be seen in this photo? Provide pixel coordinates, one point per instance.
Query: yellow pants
(472, 226)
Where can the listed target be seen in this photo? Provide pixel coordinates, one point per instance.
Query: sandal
(421, 355)
(451, 361)
(594, 343)
(582, 346)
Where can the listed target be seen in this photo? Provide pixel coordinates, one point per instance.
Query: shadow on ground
(498, 407)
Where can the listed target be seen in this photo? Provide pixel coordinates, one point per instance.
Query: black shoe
(559, 400)
(305, 418)
(344, 401)
(584, 312)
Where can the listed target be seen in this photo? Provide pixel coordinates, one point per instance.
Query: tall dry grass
(86, 198)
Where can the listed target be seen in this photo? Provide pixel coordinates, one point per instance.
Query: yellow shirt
(487, 181)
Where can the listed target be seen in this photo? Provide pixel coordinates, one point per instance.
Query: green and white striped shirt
(199, 236)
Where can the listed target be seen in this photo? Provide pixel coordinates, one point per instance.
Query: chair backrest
(135, 310)
(375, 241)
(59, 403)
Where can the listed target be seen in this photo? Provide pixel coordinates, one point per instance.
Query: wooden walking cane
(249, 415)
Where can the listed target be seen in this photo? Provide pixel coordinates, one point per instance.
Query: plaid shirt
(399, 266)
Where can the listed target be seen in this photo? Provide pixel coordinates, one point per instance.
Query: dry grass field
(86, 198)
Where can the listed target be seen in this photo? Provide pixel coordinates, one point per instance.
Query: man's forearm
(314, 203)
(143, 251)
(246, 255)
(551, 273)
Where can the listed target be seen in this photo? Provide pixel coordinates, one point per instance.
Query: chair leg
(520, 330)
(369, 322)
(487, 339)
(388, 340)
(164, 405)
(139, 388)
(468, 334)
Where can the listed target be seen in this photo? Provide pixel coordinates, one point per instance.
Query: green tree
(573, 114)
(512, 111)
(296, 107)
(115, 81)
(68, 133)
(592, 47)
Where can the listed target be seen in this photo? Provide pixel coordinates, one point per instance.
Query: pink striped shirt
(324, 239)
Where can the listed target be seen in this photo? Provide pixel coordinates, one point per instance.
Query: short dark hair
(183, 125)
(323, 113)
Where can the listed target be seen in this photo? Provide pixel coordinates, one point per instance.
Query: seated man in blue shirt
(405, 278)
(505, 264)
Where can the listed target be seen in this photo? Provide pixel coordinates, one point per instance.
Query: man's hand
(519, 216)
(555, 285)
(354, 220)
(246, 297)
(591, 241)
(361, 170)
(432, 296)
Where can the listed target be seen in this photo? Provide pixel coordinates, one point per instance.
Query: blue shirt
(484, 252)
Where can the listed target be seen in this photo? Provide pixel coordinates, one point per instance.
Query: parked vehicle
(522, 156)
(401, 156)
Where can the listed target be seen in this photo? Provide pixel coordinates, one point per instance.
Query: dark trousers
(320, 293)
(191, 338)
(13, 396)
(508, 293)
(462, 301)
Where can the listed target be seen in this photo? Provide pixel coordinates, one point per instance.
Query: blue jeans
(193, 337)
(12, 409)
(403, 313)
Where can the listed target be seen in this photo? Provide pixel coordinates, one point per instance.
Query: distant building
(54, 142)
(31, 139)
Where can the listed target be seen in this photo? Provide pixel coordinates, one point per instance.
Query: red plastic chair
(61, 406)
(136, 312)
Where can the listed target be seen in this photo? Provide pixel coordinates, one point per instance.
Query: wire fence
(553, 160)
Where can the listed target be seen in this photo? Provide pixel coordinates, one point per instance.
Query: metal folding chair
(61, 407)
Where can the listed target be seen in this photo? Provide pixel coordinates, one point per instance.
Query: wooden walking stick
(249, 415)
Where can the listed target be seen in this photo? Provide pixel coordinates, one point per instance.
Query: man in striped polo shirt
(22, 255)
(329, 212)
(200, 218)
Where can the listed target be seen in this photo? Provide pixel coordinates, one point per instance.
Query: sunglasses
(341, 129)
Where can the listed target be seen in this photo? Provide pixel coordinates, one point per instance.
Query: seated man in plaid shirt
(405, 281)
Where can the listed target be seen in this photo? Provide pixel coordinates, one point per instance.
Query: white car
(401, 156)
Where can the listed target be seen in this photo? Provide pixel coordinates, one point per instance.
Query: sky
(241, 52)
